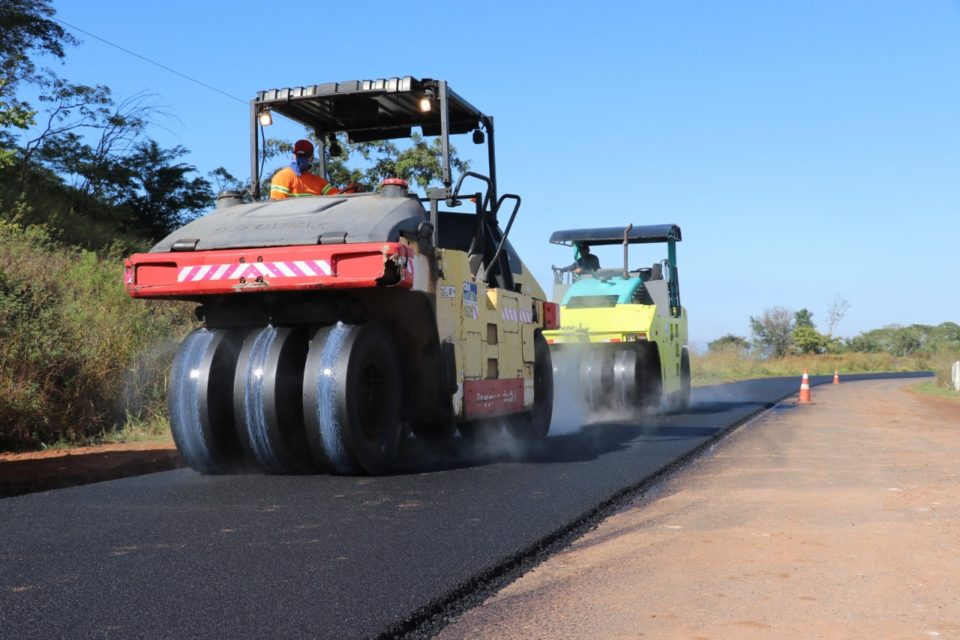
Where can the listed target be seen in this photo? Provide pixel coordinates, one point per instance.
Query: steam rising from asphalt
(144, 381)
(570, 408)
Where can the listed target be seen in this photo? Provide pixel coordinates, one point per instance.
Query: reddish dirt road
(839, 519)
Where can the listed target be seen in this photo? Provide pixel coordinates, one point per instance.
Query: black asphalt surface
(179, 555)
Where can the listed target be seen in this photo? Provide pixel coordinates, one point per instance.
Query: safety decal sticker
(470, 309)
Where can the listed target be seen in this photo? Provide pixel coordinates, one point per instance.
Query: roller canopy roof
(614, 235)
(371, 109)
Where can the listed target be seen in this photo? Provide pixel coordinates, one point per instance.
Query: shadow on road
(589, 442)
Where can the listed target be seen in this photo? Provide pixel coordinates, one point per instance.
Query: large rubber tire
(535, 423)
(199, 400)
(626, 379)
(267, 402)
(681, 399)
(596, 377)
(650, 390)
(351, 398)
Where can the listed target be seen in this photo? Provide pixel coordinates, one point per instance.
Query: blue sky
(808, 150)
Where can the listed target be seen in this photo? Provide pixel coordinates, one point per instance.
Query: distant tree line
(779, 332)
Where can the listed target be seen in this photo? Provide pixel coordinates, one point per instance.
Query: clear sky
(808, 150)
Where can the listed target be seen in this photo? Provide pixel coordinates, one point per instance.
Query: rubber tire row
(290, 399)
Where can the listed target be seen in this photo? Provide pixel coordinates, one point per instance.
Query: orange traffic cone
(836, 377)
(805, 388)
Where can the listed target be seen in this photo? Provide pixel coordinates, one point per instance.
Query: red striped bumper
(298, 268)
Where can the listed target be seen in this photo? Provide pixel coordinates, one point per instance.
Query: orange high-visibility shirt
(287, 184)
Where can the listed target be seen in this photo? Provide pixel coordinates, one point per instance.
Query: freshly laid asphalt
(180, 555)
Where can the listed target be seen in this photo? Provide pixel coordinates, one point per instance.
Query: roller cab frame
(623, 337)
(303, 289)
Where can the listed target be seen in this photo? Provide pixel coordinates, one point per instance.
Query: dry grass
(78, 357)
(730, 366)
(934, 388)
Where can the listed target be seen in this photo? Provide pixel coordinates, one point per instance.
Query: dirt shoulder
(839, 519)
(43, 470)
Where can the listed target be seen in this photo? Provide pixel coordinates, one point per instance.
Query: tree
(838, 309)
(110, 131)
(420, 164)
(904, 341)
(803, 318)
(72, 107)
(907, 340)
(945, 336)
(865, 343)
(806, 339)
(728, 342)
(25, 27)
(225, 180)
(773, 331)
(162, 196)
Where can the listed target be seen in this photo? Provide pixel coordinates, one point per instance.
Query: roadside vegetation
(786, 343)
(727, 366)
(81, 186)
(79, 358)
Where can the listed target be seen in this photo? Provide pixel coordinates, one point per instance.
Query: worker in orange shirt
(296, 181)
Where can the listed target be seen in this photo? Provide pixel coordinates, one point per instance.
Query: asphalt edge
(429, 620)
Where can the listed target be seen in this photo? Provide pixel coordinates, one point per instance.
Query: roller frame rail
(623, 339)
(333, 326)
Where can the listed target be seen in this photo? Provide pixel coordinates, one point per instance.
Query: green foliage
(70, 216)
(936, 388)
(864, 343)
(369, 163)
(730, 366)
(90, 173)
(773, 332)
(803, 319)
(225, 181)
(729, 342)
(162, 196)
(717, 367)
(779, 332)
(419, 164)
(13, 113)
(25, 28)
(916, 339)
(77, 354)
(806, 339)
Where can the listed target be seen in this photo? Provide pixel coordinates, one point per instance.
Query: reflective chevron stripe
(275, 270)
(514, 315)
